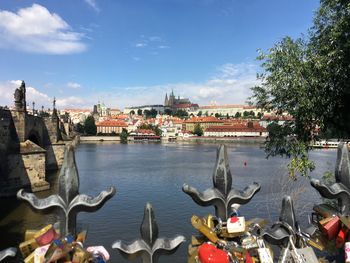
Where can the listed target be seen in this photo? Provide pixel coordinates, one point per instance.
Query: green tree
(90, 126)
(245, 114)
(238, 115)
(199, 114)
(79, 128)
(157, 131)
(227, 116)
(168, 112)
(181, 113)
(146, 113)
(124, 136)
(309, 78)
(198, 130)
(139, 112)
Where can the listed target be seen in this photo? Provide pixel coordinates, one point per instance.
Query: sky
(133, 52)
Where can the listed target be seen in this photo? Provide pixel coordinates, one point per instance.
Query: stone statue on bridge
(20, 97)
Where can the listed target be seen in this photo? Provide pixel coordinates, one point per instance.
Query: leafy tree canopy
(90, 126)
(198, 130)
(124, 136)
(309, 78)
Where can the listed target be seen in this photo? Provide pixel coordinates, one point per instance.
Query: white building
(238, 130)
(223, 110)
(158, 108)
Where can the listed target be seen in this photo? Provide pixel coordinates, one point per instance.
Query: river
(155, 173)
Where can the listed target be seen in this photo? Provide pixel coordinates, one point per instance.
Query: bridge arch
(35, 137)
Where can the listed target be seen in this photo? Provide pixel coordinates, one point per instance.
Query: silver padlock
(264, 252)
(303, 255)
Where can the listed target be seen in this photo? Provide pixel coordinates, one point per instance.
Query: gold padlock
(200, 225)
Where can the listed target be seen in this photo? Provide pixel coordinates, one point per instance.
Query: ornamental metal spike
(222, 196)
(149, 247)
(280, 232)
(9, 252)
(341, 188)
(68, 203)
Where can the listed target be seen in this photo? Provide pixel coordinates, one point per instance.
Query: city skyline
(129, 53)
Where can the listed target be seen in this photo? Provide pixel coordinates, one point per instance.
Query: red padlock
(330, 227)
(208, 253)
(248, 258)
(341, 238)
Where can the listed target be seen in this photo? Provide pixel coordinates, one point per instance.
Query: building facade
(178, 103)
(111, 126)
(224, 110)
(204, 123)
(237, 130)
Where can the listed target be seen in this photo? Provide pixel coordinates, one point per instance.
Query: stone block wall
(34, 164)
(55, 155)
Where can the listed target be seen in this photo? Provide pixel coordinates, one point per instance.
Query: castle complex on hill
(177, 103)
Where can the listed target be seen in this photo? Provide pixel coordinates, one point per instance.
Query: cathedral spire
(166, 102)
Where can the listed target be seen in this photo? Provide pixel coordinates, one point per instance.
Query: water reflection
(156, 173)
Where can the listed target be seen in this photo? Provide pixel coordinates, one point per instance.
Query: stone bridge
(29, 146)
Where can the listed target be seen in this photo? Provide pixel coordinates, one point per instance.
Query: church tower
(166, 101)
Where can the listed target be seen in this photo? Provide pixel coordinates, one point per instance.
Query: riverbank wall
(223, 140)
(99, 138)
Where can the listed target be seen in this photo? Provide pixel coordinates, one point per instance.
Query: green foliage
(124, 136)
(199, 113)
(79, 128)
(90, 126)
(227, 116)
(154, 128)
(309, 78)
(198, 130)
(139, 112)
(245, 114)
(181, 113)
(150, 113)
(168, 112)
(238, 115)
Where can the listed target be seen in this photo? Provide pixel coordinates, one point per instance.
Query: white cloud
(40, 98)
(140, 45)
(229, 85)
(155, 39)
(163, 47)
(73, 102)
(34, 29)
(7, 89)
(73, 85)
(93, 5)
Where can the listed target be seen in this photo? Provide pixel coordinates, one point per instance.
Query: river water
(155, 173)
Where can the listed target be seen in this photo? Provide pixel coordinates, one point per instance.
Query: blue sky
(131, 52)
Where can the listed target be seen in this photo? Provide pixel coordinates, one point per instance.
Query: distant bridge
(29, 145)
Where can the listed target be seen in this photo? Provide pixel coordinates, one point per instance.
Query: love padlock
(208, 253)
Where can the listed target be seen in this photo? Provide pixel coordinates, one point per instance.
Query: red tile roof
(255, 127)
(227, 106)
(203, 120)
(111, 123)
